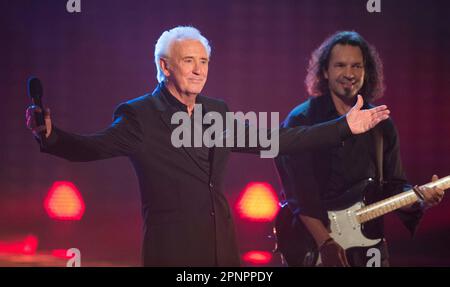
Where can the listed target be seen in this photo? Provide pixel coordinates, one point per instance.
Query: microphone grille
(34, 87)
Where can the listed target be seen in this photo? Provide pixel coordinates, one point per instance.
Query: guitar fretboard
(395, 202)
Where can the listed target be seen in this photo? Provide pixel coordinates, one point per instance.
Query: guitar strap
(378, 136)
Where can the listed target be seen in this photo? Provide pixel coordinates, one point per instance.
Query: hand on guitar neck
(332, 254)
(429, 196)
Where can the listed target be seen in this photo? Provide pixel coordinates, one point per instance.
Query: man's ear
(325, 73)
(164, 66)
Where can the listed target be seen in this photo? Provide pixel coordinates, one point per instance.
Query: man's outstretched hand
(360, 121)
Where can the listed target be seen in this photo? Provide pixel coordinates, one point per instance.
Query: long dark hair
(317, 85)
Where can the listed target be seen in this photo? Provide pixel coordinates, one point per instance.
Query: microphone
(35, 92)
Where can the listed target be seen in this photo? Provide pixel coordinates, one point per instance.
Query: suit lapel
(217, 153)
(166, 117)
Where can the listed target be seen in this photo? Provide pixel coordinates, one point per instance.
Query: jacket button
(212, 213)
(211, 185)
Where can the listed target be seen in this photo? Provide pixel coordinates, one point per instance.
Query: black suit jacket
(187, 220)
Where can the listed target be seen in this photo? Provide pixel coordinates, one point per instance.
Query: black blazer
(187, 220)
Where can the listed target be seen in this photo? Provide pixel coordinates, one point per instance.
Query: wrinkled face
(186, 67)
(345, 71)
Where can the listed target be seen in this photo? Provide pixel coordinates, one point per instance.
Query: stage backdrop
(91, 61)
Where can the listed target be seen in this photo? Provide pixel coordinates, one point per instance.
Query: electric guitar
(346, 222)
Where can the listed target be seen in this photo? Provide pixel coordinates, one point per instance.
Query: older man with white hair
(187, 220)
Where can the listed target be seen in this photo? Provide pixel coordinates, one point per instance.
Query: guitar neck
(395, 202)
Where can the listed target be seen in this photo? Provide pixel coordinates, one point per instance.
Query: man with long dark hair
(343, 67)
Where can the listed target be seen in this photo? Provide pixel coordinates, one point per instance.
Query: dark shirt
(203, 153)
(311, 177)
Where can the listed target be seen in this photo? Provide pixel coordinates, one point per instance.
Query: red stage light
(258, 202)
(27, 247)
(30, 244)
(64, 202)
(60, 253)
(257, 257)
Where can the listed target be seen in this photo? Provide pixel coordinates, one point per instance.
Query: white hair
(168, 37)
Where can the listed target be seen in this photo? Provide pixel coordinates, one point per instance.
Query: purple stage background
(91, 61)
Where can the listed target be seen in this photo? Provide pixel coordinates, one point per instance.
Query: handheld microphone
(35, 92)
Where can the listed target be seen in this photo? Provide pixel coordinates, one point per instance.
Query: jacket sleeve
(287, 139)
(122, 138)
